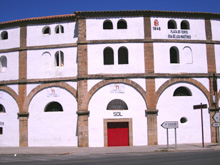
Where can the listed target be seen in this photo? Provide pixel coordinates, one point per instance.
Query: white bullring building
(109, 78)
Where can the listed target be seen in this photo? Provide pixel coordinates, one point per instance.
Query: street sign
(216, 124)
(200, 106)
(216, 117)
(170, 124)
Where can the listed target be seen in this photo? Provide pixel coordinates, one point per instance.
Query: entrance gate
(118, 133)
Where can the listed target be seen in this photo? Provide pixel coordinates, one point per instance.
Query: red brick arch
(10, 92)
(124, 81)
(183, 80)
(43, 86)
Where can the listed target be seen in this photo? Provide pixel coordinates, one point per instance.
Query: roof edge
(82, 14)
(35, 20)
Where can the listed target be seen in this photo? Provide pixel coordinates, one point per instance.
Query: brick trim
(44, 86)
(194, 82)
(208, 29)
(10, 92)
(99, 85)
(211, 58)
(147, 28)
(149, 57)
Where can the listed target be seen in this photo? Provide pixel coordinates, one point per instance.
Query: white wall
(178, 107)
(135, 59)
(215, 24)
(11, 73)
(13, 40)
(160, 81)
(35, 37)
(52, 128)
(9, 121)
(217, 57)
(98, 112)
(162, 58)
(196, 31)
(95, 31)
(36, 70)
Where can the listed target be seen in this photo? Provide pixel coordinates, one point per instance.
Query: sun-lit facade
(110, 78)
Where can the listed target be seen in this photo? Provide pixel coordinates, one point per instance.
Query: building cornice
(38, 20)
(109, 76)
(149, 13)
(89, 14)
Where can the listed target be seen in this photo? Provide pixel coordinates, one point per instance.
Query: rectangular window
(1, 130)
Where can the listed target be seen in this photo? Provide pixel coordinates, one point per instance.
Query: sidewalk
(104, 150)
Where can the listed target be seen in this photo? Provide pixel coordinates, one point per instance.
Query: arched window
(46, 30)
(122, 24)
(187, 56)
(122, 55)
(107, 24)
(117, 104)
(2, 109)
(59, 59)
(185, 25)
(172, 24)
(108, 56)
(174, 55)
(46, 61)
(3, 64)
(182, 91)
(59, 29)
(53, 107)
(4, 35)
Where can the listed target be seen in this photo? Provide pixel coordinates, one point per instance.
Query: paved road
(156, 158)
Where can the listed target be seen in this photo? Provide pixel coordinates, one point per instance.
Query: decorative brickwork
(151, 117)
(149, 57)
(211, 69)
(81, 30)
(208, 29)
(106, 82)
(10, 92)
(82, 60)
(211, 58)
(185, 80)
(22, 89)
(147, 28)
(180, 80)
(43, 86)
(82, 114)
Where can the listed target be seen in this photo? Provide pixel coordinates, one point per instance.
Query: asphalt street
(155, 158)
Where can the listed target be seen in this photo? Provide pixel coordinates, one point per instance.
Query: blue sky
(19, 9)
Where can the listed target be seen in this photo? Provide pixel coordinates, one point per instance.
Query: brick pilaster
(212, 70)
(147, 28)
(82, 112)
(150, 86)
(23, 113)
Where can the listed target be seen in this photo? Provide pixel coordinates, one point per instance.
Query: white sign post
(216, 117)
(170, 125)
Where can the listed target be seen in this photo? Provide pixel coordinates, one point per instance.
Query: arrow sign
(216, 117)
(216, 124)
(170, 124)
(200, 106)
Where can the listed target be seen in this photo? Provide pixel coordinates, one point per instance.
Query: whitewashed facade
(75, 80)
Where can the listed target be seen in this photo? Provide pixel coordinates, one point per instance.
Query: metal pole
(175, 139)
(218, 135)
(167, 139)
(202, 126)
